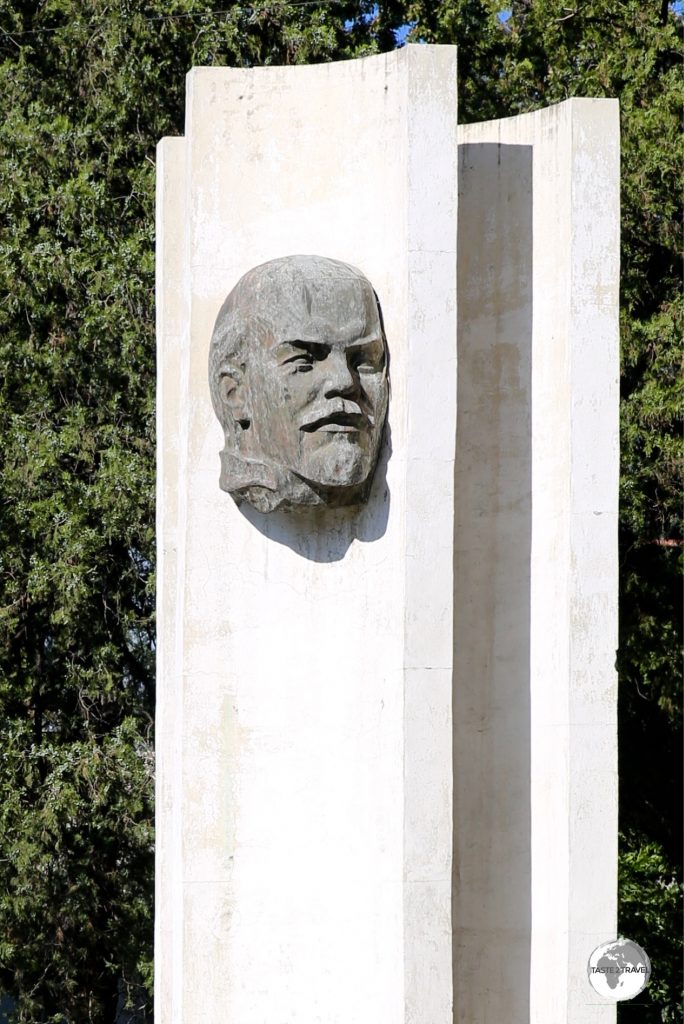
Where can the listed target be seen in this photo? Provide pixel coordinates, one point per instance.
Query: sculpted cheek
(375, 390)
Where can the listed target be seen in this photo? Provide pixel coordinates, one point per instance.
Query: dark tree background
(89, 87)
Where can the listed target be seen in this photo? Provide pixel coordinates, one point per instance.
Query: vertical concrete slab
(314, 652)
(536, 564)
(594, 481)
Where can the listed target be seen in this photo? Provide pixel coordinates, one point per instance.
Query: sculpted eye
(302, 362)
(369, 363)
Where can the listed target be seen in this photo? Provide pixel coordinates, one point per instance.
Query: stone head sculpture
(298, 378)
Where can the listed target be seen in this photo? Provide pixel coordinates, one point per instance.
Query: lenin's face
(316, 383)
(298, 377)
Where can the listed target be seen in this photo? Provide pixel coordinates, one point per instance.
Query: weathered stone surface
(298, 378)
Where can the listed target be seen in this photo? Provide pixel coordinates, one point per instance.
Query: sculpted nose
(340, 380)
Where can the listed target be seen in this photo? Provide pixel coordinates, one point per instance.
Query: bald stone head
(298, 378)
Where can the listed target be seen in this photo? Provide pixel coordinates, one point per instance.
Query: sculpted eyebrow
(287, 350)
(371, 340)
(321, 348)
(306, 345)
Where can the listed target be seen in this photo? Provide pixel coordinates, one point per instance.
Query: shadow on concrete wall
(492, 871)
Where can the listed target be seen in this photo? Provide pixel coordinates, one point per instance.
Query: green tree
(89, 88)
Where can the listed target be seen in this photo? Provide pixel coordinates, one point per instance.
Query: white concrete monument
(386, 731)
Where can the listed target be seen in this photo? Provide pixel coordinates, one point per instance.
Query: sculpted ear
(233, 394)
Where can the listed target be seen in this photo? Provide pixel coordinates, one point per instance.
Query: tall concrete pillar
(305, 795)
(386, 734)
(535, 688)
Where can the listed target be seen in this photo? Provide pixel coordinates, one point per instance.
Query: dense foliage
(89, 88)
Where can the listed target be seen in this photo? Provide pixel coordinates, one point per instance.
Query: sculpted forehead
(309, 298)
